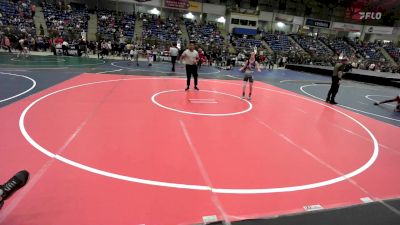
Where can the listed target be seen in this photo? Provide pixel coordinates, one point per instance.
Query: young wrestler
(250, 66)
(396, 99)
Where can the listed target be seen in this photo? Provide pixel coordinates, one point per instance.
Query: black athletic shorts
(248, 77)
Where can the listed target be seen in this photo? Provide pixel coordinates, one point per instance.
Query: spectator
(41, 30)
(33, 10)
(7, 43)
(65, 47)
(173, 52)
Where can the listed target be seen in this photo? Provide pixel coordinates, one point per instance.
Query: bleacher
(17, 16)
(156, 28)
(371, 51)
(279, 43)
(247, 44)
(393, 51)
(110, 24)
(368, 50)
(204, 33)
(67, 18)
(338, 45)
(313, 46)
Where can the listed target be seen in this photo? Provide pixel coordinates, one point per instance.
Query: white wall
(156, 3)
(266, 26)
(373, 37)
(144, 8)
(241, 17)
(266, 16)
(214, 9)
(284, 18)
(287, 28)
(298, 20)
(112, 5)
(213, 17)
(353, 35)
(125, 7)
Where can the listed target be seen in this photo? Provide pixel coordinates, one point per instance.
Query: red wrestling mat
(107, 149)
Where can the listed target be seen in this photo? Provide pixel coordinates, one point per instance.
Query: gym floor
(108, 142)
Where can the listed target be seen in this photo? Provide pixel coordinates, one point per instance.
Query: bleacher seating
(393, 51)
(372, 51)
(155, 28)
(110, 23)
(247, 44)
(279, 43)
(339, 46)
(368, 50)
(204, 34)
(313, 46)
(70, 17)
(17, 16)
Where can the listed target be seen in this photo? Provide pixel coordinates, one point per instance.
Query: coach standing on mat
(336, 77)
(190, 58)
(173, 52)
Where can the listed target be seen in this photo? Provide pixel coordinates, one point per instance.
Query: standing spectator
(190, 58)
(336, 77)
(271, 64)
(99, 50)
(33, 10)
(173, 52)
(41, 30)
(65, 47)
(202, 58)
(104, 47)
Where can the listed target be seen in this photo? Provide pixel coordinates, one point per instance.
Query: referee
(190, 58)
(173, 52)
(336, 77)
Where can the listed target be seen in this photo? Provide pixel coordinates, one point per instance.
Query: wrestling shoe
(13, 184)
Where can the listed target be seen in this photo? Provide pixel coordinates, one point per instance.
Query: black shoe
(375, 103)
(16, 182)
(187, 88)
(196, 88)
(333, 102)
(327, 100)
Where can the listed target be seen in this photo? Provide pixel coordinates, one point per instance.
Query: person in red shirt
(202, 58)
(59, 40)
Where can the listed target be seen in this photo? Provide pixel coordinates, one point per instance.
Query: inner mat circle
(202, 103)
